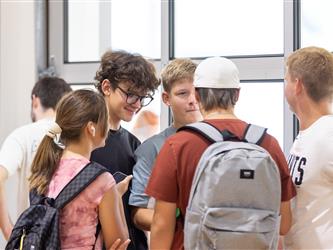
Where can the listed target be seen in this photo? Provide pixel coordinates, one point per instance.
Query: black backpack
(37, 228)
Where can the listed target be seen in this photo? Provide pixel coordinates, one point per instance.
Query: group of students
(87, 128)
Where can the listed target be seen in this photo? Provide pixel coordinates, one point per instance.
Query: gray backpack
(236, 193)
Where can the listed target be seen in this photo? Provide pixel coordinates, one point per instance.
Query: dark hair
(50, 90)
(211, 99)
(121, 66)
(314, 66)
(74, 111)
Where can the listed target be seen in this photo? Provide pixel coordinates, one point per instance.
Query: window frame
(252, 68)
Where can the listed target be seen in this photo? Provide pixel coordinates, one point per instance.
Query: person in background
(146, 125)
(81, 125)
(20, 146)
(216, 82)
(179, 95)
(309, 92)
(127, 82)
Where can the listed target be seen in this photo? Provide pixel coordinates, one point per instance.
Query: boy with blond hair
(179, 95)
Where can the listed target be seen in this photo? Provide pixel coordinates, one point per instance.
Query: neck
(114, 123)
(76, 149)
(219, 114)
(177, 125)
(48, 113)
(311, 112)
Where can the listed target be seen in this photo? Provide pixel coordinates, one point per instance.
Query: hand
(122, 186)
(115, 245)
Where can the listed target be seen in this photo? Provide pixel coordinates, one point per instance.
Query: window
(83, 31)
(95, 26)
(136, 26)
(316, 23)
(256, 34)
(261, 103)
(230, 28)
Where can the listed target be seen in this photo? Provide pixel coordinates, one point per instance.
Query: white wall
(17, 71)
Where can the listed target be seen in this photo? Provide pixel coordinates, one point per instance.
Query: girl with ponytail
(81, 126)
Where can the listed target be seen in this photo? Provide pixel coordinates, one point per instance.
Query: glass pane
(95, 26)
(147, 122)
(136, 26)
(316, 23)
(262, 104)
(83, 31)
(224, 27)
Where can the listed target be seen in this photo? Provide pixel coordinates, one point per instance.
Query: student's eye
(131, 94)
(182, 93)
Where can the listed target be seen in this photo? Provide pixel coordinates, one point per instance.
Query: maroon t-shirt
(175, 165)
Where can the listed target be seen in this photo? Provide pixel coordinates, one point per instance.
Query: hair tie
(54, 131)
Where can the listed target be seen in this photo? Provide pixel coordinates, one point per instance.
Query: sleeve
(102, 184)
(287, 186)
(145, 156)
(326, 152)
(12, 153)
(163, 184)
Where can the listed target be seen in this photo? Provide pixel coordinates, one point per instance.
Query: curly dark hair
(121, 66)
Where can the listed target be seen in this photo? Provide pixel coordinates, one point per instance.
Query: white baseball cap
(216, 73)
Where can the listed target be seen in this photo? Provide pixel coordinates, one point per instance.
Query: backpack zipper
(22, 239)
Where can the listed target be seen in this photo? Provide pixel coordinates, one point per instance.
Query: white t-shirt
(311, 167)
(17, 153)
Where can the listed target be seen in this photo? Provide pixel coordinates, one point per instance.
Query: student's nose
(192, 99)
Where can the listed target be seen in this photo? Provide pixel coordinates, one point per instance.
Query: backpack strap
(85, 177)
(254, 134)
(208, 131)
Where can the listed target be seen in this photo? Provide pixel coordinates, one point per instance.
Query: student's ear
(91, 128)
(106, 87)
(299, 87)
(237, 95)
(166, 98)
(35, 102)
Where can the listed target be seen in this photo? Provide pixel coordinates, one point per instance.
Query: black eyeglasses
(133, 98)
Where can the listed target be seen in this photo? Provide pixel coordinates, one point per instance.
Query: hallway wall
(17, 72)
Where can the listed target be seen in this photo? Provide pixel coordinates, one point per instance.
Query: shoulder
(22, 131)
(19, 139)
(131, 137)
(325, 128)
(156, 141)
(30, 130)
(105, 180)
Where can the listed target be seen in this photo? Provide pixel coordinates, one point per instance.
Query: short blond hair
(314, 66)
(177, 69)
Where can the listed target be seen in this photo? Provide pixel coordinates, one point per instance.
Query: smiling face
(119, 109)
(182, 102)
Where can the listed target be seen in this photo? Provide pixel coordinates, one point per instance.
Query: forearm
(161, 237)
(143, 218)
(122, 215)
(5, 223)
(163, 226)
(112, 219)
(286, 217)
